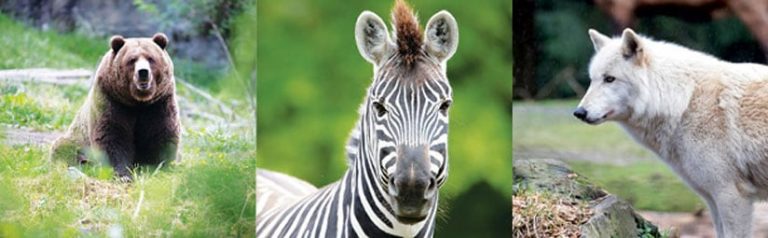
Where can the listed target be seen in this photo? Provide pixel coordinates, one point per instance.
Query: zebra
(397, 151)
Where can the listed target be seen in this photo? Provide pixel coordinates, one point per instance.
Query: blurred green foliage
(312, 79)
(562, 40)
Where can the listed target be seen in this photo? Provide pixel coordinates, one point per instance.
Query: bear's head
(138, 71)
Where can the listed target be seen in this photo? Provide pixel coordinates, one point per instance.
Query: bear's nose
(580, 113)
(143, 74)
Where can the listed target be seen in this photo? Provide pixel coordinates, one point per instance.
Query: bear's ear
(160, 39)
(442, 35)
(631, 45)
(598, 40)
(372, 38)
(116, 42)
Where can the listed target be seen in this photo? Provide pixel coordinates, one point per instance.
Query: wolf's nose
(580, 113)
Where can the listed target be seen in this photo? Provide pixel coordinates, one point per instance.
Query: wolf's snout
(580, 113)
(143, 75)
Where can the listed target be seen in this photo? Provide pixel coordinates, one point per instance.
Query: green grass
(647, 185)
(644, 180)
(23, 106)
(28, 48)
(550, 125)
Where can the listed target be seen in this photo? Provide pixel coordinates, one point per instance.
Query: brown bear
(130, 116)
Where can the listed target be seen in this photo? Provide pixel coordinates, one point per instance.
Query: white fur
(142, 63)
(658, 96)
(372, 38)
(442, 36)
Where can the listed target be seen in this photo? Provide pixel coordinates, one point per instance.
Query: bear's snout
(143, 75)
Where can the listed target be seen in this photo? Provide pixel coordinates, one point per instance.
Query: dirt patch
(26, 136)
(700, 224)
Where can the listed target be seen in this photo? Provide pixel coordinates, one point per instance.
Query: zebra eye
(609, 79)
(444, 107)
(380, 110)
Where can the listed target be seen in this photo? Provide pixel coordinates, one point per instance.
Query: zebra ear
(372, 38)
(442, 36)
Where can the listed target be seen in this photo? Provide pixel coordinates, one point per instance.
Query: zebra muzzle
(412, 186)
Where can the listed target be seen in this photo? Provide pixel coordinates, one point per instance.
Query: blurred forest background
(554, 48)
(50, 49)
(552, 53)
(312, 80)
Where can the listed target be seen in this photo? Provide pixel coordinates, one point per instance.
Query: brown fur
(409, 35)
(753, 110)
(705, 103)
(753, 115)
(129, 126)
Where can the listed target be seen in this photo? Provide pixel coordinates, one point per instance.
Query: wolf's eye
(380, 110)
(609, 79)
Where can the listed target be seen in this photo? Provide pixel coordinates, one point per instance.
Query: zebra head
(404, 118)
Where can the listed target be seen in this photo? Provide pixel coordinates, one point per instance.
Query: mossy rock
(552, 176)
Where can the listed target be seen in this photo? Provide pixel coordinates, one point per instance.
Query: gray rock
(613, 217)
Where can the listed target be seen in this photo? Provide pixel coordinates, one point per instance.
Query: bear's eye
(151, 60)
(609, 79)
(132, 61)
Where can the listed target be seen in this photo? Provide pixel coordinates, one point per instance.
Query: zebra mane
(407, 32)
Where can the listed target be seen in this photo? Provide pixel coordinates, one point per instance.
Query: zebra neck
(353, 145)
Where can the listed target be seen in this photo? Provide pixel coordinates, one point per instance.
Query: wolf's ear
(442, 36)
(631, 45)
(372, 38)
(598, 40)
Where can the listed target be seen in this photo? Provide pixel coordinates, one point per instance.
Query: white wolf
(706, 118)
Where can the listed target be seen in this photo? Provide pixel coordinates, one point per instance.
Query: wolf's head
(616, 71)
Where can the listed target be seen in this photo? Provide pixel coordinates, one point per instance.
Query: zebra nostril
(392, 186)
(432, 184)
(431, 188)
